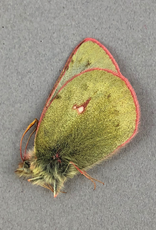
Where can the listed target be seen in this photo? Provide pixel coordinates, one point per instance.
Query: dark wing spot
(108, 96)
(67, 67)
(84, 86)
(72, 61)
(88, 63)
(117, 125)
(57, 96)
(116, 112)
(95, 92)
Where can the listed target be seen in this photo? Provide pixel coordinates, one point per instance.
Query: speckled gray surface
(36, 38)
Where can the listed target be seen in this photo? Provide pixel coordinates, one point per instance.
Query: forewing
(87, 55)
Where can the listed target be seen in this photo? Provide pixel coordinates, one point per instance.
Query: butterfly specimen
(91, 112)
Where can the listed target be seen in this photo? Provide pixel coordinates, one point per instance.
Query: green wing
(87, 55)
(108, 121)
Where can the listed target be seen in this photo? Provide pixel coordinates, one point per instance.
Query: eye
(26, 164)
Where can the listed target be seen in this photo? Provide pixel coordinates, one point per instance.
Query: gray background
(36, 38)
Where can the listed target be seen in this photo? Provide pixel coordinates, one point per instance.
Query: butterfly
(91, 112)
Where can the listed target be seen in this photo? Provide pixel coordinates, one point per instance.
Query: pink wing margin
(118, 74)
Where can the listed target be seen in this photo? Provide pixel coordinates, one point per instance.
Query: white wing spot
(80, 109)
